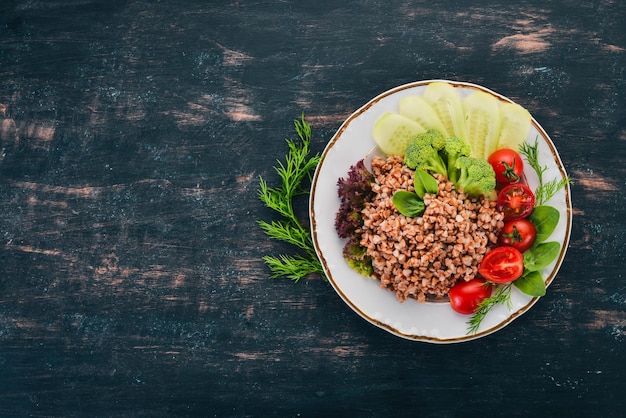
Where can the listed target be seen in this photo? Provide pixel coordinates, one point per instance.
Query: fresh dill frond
(293, 267)
(545, 190)
(502, 294)
(286, 231)
(295, 174)
(531, 152)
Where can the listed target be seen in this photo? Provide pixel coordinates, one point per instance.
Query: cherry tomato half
(508, 166)
(518, 233)
(502, 265)
(465, 296)
(516, 201)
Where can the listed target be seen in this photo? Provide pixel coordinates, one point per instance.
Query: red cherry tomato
(465, 296)
(502, 265)
(518, 233)
(516, 201)
(508, 166)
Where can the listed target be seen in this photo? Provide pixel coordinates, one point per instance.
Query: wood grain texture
(133, 134)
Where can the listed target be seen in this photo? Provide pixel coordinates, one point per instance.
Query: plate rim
(423, 338)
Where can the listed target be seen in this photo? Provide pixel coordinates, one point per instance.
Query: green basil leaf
(540, 256)
(424, 183)
(531, 283)
(408, 203)
(545, 219)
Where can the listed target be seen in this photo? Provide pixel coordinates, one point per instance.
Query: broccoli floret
(476, 176)
(423, 152)
(454, 147)
(450, 157)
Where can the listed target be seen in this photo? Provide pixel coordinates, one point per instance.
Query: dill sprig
(502, 294)
(545, 190)
(295, 174)
(293, 267)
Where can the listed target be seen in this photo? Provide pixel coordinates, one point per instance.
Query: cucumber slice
(392, 132)
(515, 126)
(482, 119)
(416, 108)
(447, 104)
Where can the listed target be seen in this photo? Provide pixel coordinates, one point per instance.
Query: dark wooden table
(134, 134)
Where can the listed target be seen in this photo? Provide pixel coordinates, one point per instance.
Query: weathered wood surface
(133, 136)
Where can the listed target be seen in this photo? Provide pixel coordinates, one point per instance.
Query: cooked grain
(423, 257)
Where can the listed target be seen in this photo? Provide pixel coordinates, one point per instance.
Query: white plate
(430, 322)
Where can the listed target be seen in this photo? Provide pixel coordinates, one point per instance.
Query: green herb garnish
(297, 168)
(502, 294)
(544, 191)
